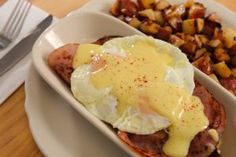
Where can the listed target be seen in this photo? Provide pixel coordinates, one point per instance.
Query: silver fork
(15, 23)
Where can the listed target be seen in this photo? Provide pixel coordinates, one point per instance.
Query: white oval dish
(89, 26)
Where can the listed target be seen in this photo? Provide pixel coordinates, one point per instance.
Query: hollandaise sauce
(138, 79)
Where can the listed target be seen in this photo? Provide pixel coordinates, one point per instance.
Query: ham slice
(60, 60)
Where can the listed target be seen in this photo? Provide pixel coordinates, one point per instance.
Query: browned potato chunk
(176, 11)
(200, 53)
(218, 34)
(204, 64)
(233, 61)
(188, 3)
(200, 25)
(204, 40)
(233, 71)
(214, 77)
(168, 28)
(128, 8)
(163, 34)
(175, 23)
(232, 50)
(188, 38)
(188, 26)
(146, 3)
(162, 4)
(196, 11)
(115, 8)
(198, 41)
(214, 18)
(221, 55)
(210, 28)
(134, 22)
(149, 27)
(149, 13)
(222, 69)
(215, 43)
(229, 37)
(188, 48)
(159, 17)
(175, 40)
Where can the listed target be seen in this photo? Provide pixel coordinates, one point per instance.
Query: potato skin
(60, 60)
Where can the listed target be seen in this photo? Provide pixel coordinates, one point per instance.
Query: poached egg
(140, 85)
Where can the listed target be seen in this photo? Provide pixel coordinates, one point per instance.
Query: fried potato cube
(188, 26)
(134, 22)
(175, 40)
(149, 13)
(188, 48)
(159, 17)
(233, 61)
(146, 4)
(115, 8)
(176, 23)
(214, 77)
(196, 11)
(218, 34)
(232, 50)
(215, 43)
(229, 37)
(162, 4)
(169, 29)
(199, 53)
(188, 3)
(209, 29)
(163, 34)
(204, 40)
(214, 18)
(128, 8)
(221, 54)
(198, 41)
(149, 27)
(200, 24)
(204, 64)
(233, 71)
(222, 69)
(176, 11)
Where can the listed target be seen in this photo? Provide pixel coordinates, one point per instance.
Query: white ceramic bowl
(89, 26)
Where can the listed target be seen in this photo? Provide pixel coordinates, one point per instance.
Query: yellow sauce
(138, 79)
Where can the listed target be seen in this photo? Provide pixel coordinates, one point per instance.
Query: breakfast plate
(58, 129)
(106, 25)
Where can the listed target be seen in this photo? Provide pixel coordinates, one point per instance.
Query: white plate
(58, 129)
(92, 29)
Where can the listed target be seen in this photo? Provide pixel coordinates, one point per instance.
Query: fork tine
(21, 21)
(15, 22)
(15, 10)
